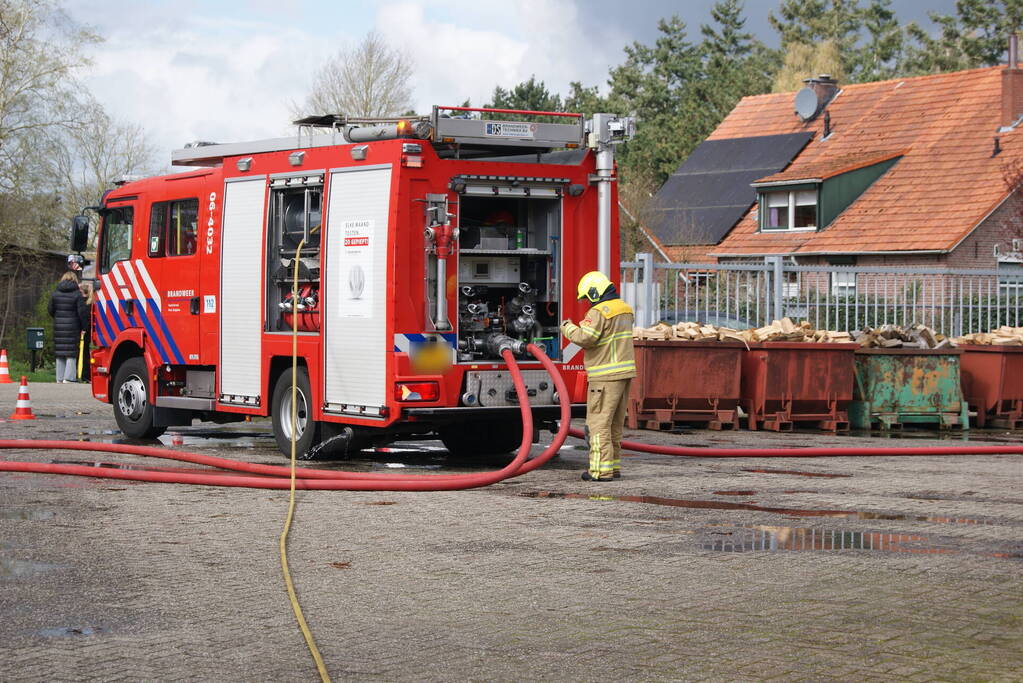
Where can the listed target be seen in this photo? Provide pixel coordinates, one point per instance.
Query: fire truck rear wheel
(489, 437)
(132, 408)
(307, 429)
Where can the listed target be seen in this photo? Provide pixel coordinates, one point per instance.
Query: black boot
(588, 477)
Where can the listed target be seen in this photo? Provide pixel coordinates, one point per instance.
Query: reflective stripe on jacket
(605, 335)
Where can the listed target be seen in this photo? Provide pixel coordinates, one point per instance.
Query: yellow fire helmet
(593, 285)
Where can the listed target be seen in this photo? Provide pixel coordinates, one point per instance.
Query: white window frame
(793, 196)
(840, 283)
(791, 285)
(1007, 287)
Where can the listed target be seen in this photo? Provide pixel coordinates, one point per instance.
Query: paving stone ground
(879, 568)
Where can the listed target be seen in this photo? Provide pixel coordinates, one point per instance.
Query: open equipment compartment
(294, 217)
(508, 267)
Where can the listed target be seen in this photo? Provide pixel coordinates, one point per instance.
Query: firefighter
(605, 335)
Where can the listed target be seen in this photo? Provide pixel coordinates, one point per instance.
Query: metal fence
(845, 298)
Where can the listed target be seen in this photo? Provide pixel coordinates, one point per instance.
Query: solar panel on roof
(710, 191)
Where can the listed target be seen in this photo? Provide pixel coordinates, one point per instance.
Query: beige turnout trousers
(605, 418)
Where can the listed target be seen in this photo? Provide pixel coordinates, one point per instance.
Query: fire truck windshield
(116, 237)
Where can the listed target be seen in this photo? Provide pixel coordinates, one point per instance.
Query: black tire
(132, 408)
(468, 439)
(308, 430)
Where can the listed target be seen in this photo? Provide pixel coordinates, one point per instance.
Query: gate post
(648, 314)
(778, 275)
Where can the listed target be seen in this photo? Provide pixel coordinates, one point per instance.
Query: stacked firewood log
(778, 330)
(883, 337)
(901, 337)
(1003, 336)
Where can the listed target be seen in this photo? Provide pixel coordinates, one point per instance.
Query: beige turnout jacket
(605, 335)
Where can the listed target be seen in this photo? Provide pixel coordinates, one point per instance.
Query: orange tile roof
(815, 168)
(944, 185)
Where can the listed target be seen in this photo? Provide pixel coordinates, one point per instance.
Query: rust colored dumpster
(688, 381)
(787, 382)
(901, 386)
(993, 384)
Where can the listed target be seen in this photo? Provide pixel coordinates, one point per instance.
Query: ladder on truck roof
(460, 135)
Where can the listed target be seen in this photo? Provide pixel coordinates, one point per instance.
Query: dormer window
(791, 209)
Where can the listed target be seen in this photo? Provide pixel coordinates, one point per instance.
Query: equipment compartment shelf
(507, 252)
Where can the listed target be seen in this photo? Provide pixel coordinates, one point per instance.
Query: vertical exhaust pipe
(606, 130)
(1013, 50)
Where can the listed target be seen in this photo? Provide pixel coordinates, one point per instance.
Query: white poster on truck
(355, 341)
(355, 268)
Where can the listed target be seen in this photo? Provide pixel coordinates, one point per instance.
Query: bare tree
(635, 201)
(371, 80)
(84, 160)
(40, 54)
(1012, 217)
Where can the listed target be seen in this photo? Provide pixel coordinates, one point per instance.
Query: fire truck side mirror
(79, 233)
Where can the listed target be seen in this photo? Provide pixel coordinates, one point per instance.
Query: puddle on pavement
(217, 439)
(34, 514)
(10, 567)
(799, 539)
(408, 450)
(69, 631)
(930, 434)
(404, 465)
(797, 473)
(786, 538)
(724, 505)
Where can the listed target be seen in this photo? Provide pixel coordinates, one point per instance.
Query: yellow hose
(306, 633)
(81, 352)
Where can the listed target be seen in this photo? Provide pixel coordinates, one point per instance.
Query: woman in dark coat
(70, 317)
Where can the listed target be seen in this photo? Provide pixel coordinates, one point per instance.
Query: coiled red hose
(277, 477)
(690, 452)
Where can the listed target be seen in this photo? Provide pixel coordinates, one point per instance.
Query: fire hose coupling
(443, 238)
(499, 343)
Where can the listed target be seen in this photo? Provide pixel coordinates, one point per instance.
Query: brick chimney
(1012, 85)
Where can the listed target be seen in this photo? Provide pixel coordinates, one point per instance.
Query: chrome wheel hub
(131, 398)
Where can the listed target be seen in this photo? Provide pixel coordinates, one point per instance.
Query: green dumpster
(903, 386)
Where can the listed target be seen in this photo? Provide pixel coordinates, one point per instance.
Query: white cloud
(205, 79)
(494, 44)
(228, 71)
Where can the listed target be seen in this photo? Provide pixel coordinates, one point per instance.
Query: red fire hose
(690, 452)
(307, 478)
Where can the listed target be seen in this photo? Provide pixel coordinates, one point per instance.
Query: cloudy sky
(226, 70)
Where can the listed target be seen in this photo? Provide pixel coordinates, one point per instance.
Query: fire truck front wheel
(306, 429)
(490, 437)
(132, 408)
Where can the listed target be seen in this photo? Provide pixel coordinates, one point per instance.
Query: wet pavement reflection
(34, 514)
(14, 568)
(778, 538)
(798, 473)
(799, 539)
(793, 512)
(68, 631)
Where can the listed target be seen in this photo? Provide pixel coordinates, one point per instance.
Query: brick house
(906, 172)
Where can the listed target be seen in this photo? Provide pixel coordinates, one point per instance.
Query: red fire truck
(426, 243)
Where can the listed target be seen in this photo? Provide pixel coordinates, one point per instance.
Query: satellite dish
(807, 104)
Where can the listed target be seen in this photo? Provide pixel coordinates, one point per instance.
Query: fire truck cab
(393, 254)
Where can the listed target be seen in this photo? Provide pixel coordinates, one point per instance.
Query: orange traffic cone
(5, 372)
(23, 411)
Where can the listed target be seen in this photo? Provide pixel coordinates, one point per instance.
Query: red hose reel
(308, 309)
